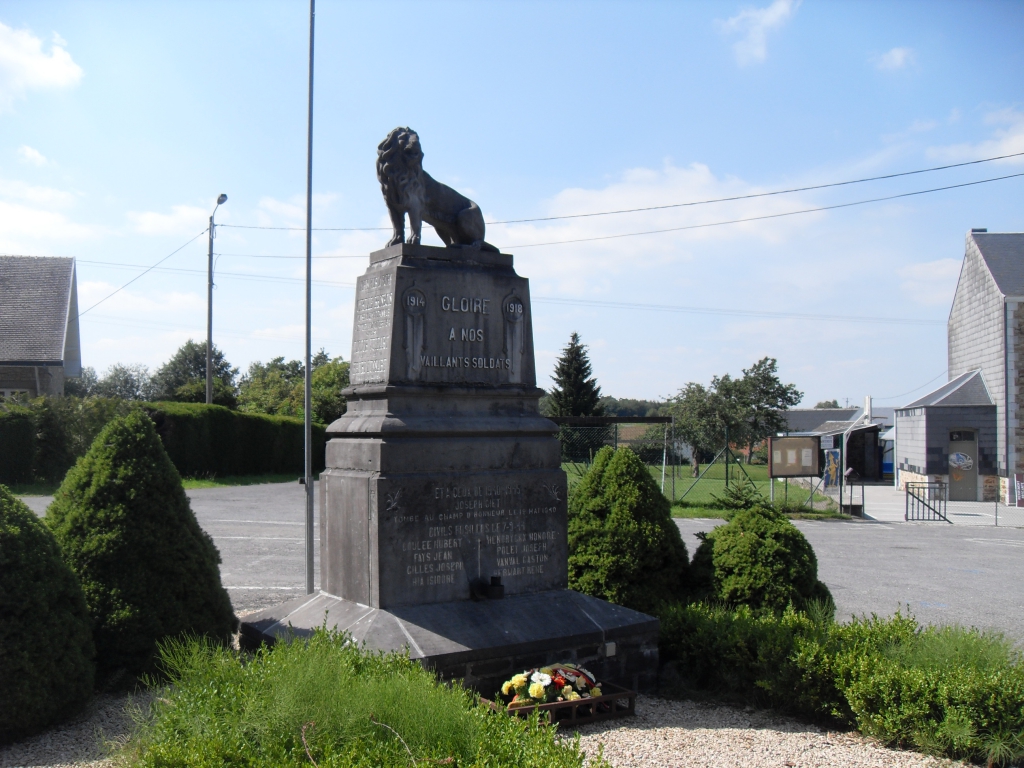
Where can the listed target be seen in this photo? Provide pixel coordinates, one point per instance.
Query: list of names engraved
(469, 531)
(371, 333)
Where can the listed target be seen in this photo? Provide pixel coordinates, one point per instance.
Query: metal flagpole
(308, 477)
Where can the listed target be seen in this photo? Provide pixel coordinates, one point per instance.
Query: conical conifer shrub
(46, 650)
(126, 528)
(623, 545)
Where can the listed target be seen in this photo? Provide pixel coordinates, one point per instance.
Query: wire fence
(682, 477)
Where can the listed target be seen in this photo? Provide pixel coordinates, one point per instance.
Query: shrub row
(214, 440)
(41, 441)
(948, 691)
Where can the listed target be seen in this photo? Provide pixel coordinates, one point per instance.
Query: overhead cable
(766, 216)
(670, 205)
(738, 312)
(149, 269)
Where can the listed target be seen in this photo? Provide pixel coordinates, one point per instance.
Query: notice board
(794, 456)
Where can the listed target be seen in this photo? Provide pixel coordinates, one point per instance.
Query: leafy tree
(623, 544)
(704, 415)
(763, 397)
(126, 529)
(627, 406)
(576, 392)
(749, 409)
(83, 385)
(183, 377)
(833, 403)
(277, 387)
(126, 382)
(46, 648)
(329, 379)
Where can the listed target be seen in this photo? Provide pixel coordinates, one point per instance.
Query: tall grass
(326, 702)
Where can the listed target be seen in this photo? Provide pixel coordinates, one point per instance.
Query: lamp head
(222, 199)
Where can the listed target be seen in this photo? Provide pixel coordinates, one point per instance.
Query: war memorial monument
(443, 505)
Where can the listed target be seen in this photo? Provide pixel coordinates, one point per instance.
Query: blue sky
(121, 122)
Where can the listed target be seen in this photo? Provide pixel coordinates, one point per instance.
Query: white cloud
(896, 58)
(183, 219)
(598, 266)
(19, 190)
(930, 283)
(31, 156)
(1007, 139)
(21, 227)
(25, 66)
(755, 24)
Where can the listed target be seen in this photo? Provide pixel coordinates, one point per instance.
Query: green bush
(17, 443)
(213, 440)
(348, 706)
(947, 691)
(65, 428)
(148, 570)
(624, 546)
(46, 649)
(759, 559)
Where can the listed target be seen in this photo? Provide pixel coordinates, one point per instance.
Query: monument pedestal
(444, 489)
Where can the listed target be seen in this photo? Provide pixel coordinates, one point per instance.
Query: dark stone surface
(444, 485)
(442, 473)
(484, 642)
(408, 189)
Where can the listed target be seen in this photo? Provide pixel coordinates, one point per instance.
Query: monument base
(484, 643)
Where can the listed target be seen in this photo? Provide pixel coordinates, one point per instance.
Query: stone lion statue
(408, 189)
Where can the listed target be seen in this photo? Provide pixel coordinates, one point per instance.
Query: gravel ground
(668, 734)
(663, 734)
(80, 742)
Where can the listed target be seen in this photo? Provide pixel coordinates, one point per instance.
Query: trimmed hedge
(17, 443)
(43, 440)
(950, 691)
(758, 559)
(126, 528)
(46, 648)
(213, 440)
(624, 546)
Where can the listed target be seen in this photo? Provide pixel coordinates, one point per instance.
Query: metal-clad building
(985, 337)
(950, 436)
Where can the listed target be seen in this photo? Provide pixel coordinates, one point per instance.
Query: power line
(910, 392)
(113, 320)
(670, 205)
(738, 312)
(265, 256)
(234, 275)
(760, 194)
(585, 302)
(767, 216)
(165, 258)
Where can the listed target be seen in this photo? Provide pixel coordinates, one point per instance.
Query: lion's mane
(399, 179)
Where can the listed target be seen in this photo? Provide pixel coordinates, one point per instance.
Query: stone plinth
(443, 480)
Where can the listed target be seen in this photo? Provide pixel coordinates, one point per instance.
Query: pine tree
(575, 392)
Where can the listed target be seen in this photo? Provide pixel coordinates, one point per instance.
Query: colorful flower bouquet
(562, 682)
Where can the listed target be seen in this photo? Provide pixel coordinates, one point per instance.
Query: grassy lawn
(189, 483)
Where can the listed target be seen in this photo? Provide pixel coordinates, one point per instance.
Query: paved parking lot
(945, 573)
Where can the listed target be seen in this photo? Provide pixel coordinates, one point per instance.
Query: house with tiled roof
(967, 433)
(39, 340)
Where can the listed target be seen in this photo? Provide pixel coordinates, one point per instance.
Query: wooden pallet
(614, 702)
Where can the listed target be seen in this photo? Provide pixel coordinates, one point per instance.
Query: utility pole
(209, 305)
(308, 478)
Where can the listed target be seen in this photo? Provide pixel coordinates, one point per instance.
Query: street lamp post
(209, 306)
